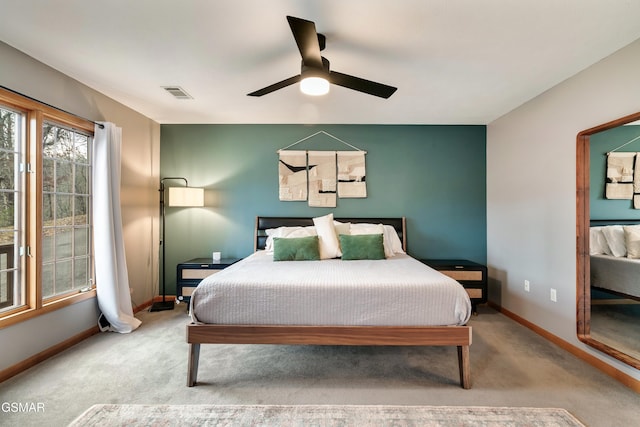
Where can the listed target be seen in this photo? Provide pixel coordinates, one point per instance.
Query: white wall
(140, 177)
(531, 192)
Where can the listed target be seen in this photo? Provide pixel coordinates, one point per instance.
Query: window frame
(35, 114)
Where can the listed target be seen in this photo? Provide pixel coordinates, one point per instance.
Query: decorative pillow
(632, 239)
(614, 234)
(296, 249)
(597, 242)
(363, 228)
(362, 246)
(287, 232)
(329, 246)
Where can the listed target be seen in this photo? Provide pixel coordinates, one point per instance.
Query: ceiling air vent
(177, 92)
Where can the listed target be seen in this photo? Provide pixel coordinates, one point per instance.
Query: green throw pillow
(361, 246)
(296, 249)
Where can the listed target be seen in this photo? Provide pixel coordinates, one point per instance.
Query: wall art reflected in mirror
(608, 238)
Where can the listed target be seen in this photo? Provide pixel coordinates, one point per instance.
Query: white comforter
(397, 291)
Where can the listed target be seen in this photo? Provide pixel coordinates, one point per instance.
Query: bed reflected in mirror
(608, 238)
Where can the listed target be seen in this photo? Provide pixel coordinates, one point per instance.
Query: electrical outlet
(553, 295)
(527, 286)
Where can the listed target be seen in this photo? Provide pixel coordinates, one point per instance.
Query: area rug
(322, 416)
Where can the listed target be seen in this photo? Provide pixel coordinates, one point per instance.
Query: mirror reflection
(614, 243)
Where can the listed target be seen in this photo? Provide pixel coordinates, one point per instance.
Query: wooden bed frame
(459, 336)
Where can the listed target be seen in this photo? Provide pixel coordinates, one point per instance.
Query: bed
(330, 301)
(619, 275)
(614, 248)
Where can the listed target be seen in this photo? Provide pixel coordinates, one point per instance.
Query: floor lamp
(178, 197)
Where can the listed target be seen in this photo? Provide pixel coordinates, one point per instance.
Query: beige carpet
(510, 367)
(322, 415)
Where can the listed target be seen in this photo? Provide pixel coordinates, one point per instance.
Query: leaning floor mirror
(608, 238)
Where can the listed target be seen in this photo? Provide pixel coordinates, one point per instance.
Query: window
(46, 247)
(11, 135)
(66, 234)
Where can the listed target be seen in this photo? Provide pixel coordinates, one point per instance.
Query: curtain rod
(100, 125)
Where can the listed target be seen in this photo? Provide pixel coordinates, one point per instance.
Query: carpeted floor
(510, 367)
(321, 416)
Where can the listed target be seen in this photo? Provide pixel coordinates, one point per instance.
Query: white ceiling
(453, 61)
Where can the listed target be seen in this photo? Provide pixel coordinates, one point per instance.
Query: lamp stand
(164, 304)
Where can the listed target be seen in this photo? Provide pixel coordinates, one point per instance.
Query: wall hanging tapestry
(636, 183)
(620, 175)
(351, 174)
(320, 177)
(623, 175)
(292, 173)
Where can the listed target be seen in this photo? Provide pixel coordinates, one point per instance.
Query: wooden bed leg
(465, 366)
(192, 370)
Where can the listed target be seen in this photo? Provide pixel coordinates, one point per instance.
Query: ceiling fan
(315, 75)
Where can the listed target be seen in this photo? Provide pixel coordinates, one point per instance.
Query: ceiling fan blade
(276, 86)
(307, 40)
(361, 85)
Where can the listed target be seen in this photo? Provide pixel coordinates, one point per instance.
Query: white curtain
(112, 281)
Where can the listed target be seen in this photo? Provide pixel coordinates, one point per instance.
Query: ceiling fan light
(315, 86)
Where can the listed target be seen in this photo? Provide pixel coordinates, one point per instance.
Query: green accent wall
(435, 176)
(599, 145)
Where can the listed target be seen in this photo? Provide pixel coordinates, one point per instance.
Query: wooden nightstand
(191, 272)
(471, 275)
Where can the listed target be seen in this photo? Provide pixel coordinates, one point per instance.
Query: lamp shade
(185, 197)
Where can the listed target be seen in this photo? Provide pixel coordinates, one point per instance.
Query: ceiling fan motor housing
(314, 71)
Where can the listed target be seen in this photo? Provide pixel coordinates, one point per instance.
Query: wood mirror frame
(583, 264)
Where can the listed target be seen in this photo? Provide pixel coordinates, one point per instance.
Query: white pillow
(287, 232)
(391, 236)
(327, 238)
(632, 239)
(597, 242)
(614, 234)
(361, 228)
(341, 228)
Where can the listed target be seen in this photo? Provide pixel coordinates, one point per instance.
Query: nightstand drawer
(474, 293)
(471, 275)
(464, 275)
(186, 291)
(191, 274)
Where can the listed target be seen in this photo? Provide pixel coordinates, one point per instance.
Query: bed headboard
(263, 223)
(601, 222)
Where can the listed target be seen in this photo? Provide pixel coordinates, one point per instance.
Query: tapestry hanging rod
(325, 133)
(626, 143)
